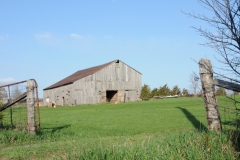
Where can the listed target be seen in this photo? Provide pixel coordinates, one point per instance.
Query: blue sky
(49, 40)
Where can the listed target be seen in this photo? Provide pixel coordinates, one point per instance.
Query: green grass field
(154, 129)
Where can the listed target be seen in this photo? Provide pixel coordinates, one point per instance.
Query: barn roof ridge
(81, 74)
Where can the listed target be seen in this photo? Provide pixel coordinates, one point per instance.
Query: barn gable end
(112, 82)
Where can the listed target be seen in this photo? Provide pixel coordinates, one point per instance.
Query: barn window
(117, 63)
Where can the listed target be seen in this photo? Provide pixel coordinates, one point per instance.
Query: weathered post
(206, 74)
(30, 107)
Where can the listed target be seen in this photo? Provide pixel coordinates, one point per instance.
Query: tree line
(146, 92)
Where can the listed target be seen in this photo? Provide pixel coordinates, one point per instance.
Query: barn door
(112, 96)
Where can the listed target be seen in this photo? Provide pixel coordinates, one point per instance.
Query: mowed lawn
(125, 119)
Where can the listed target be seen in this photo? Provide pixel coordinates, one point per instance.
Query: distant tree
(220, 92)
(200, 93)
(194, 84)
(175, 90)
(185, 91)
(16, 92)
(164, 91)
(145, 92)
(154, 92)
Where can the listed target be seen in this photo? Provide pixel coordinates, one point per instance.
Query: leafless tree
(16, 92)
(224, 34)
(194, 84)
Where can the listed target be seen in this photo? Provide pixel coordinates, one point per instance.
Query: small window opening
(117, 63)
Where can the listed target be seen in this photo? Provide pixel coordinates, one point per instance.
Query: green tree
(184, 91)
(221, 92)
(175, 90)
(154, 92)
(164, 91)
(145, 92)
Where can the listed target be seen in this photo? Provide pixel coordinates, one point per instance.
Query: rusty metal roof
(78, 75)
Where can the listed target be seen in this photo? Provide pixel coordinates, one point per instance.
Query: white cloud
(43, 36)
(76, 36)
(4, 81)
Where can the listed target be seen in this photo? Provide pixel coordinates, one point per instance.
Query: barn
(111, 82)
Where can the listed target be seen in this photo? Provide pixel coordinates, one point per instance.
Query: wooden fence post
(208, 87)
(30, 107)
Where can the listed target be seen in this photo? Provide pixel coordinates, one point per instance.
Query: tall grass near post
(229, 107)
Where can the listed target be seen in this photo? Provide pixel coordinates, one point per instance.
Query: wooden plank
(227, 85)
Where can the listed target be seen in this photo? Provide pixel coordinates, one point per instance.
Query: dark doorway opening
(111, 96)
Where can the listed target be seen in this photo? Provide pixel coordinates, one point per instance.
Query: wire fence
(14, 116)
(228, 102)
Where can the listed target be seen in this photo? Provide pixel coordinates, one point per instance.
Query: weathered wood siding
(61, 95)
(92, 89)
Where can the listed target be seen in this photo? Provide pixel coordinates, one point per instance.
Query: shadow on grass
(52, 129)
(231, 128)
(195, 122)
